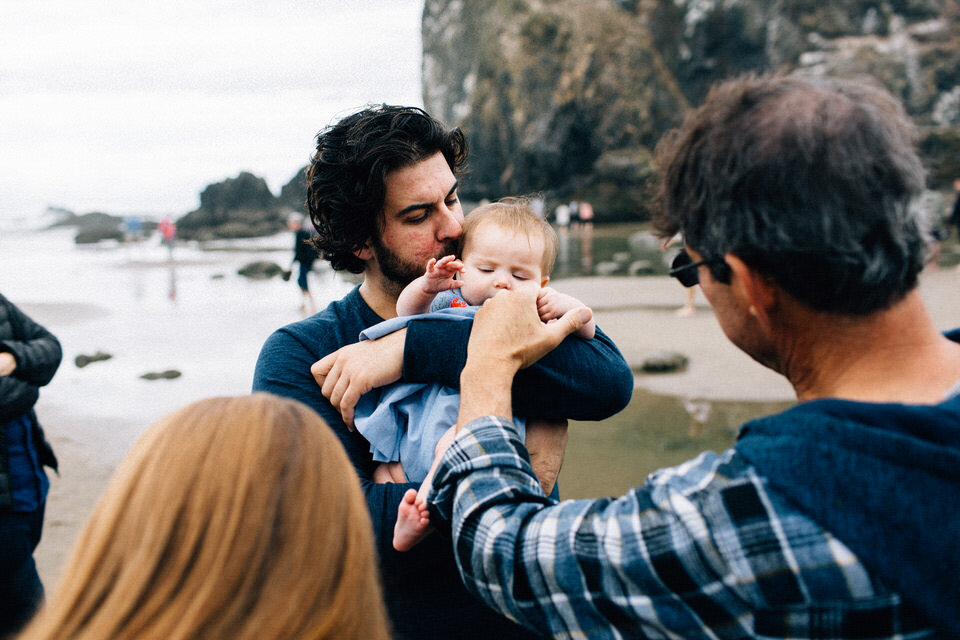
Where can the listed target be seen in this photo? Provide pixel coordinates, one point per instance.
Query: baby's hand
(551, 304)
(440, 273)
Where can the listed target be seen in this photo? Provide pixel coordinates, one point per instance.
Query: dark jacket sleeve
(37, 353)
(36, 350)
(579, 380)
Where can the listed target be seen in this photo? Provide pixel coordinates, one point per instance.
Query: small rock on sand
(83, 360)
(169, 374)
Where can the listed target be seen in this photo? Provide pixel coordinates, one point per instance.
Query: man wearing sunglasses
(837, 518)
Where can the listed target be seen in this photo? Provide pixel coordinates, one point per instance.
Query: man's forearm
(485, 391)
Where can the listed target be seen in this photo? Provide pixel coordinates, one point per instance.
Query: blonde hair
(230, 518)
(516, 215)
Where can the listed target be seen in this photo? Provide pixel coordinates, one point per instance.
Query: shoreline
(638, 313)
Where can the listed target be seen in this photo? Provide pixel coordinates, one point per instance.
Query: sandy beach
(639, 313)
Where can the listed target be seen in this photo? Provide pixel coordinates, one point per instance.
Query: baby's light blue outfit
(404, 421)
(450, 299)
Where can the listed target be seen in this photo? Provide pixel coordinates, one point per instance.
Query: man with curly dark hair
(382, 192)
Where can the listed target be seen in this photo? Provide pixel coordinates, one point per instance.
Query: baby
(504, 246)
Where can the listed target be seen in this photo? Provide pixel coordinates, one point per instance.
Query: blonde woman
(230, 518)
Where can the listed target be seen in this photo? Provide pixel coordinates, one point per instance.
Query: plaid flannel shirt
(701, 550)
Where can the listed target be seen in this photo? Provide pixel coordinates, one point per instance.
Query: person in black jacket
(304, 253)
(29, 356)
(954, 218)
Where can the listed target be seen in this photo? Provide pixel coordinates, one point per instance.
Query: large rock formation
(569, 97)
(240, 207)
(293, 195)
(92, 227)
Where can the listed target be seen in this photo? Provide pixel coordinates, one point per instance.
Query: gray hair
(813, 182)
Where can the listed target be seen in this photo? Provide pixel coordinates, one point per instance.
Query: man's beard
(399, 272)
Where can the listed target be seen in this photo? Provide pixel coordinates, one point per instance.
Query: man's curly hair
(346, 177)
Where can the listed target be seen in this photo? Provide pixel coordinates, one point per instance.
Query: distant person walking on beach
(585, 214)
(29, 357)
(230, 518)
(382, 193)
(562, 215)
(133, 228)
(304, 255)
(168, 233)
(953, 220)
(689, 308)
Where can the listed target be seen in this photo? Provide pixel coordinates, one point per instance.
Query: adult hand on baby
(507, 336)
(351, 371)
(507, 329)
(440, 273)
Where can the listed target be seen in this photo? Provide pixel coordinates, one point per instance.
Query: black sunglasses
(684, 269)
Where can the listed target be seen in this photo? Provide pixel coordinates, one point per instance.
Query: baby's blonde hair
(516, 215)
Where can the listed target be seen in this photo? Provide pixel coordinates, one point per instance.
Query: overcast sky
(126, 107)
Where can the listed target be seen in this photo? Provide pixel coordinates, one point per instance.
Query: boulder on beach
(169, 374)
(94, 219)
(663, 361)
(91, 227)
(241, 207)
(83, 360)
(92, 235)
(260, 270)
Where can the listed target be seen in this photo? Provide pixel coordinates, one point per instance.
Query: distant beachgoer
(230, 518)
(954, 218)
(562, 215)
(538, 207)
(304, 254)
(585, 214)
(29, 357)
(689, 308)
(133, 228)
(168, 233)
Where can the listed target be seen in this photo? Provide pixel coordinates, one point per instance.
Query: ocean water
(193, 313)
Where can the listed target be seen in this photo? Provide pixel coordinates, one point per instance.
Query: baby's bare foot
(413, 522)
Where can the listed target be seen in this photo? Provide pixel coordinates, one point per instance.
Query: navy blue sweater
(884, 479)
(581, 379)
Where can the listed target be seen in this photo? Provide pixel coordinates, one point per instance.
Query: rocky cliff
(569, 97)
(238, 207)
